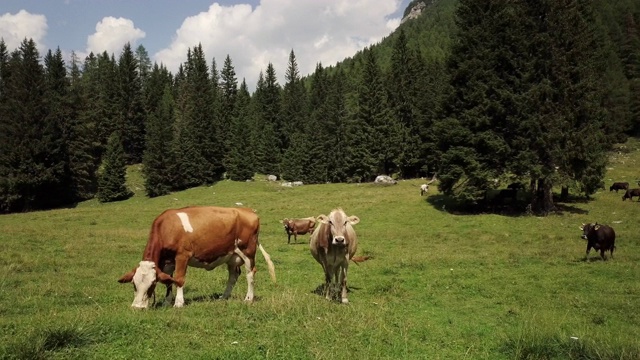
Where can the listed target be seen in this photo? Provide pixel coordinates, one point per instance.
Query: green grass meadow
(439, 285)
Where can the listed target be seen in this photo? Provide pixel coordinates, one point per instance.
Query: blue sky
(252, 32)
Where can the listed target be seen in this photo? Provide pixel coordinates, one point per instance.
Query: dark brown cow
(619, 186)
(600, 237)
(630, 193)
(297, 227)
(204, 237)
(333, 244)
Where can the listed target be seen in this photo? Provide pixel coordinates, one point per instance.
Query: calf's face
(339, 225)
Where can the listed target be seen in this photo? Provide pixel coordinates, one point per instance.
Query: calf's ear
(322, 219)
(582, 227)
(353, 219)
(126, 278)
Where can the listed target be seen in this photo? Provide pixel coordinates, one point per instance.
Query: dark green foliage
(130, 121)
(158, 156)
(384, 128)
(112, 181)
(198, 152)
(240, 163)
(32, 154)
(267, 111)
(523, 99)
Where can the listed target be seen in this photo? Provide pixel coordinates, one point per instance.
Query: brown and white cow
(333, 244)
(297, 227)
(203, 237)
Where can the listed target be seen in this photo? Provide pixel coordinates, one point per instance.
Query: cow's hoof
(345, 301)
(178, 304)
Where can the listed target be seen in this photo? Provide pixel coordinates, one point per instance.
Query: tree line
(530, 92)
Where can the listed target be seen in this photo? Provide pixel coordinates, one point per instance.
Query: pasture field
(439, 286)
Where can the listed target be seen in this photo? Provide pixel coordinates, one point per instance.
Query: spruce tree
(158, 156)
(385, 130)
(112, 181)
(240, 164)
(131, 117)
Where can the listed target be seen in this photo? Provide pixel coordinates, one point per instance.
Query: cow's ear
(596, 227)
(126, 278)
(582, 227)
(353, 219)
(322, 219)
(165, 278)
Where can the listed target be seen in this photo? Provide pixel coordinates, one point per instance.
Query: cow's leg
(234, 271)
(588, 250)
(327, 284)
(180, 273)
(168, 297)
(602, 254)
(343, 282)
(295, 237)
(288, 238)
(250, 267)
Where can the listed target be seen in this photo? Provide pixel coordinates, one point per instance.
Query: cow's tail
(267, 258)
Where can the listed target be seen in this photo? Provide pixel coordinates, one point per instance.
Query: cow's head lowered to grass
(144, 278)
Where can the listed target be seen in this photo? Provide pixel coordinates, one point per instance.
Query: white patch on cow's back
(186, 224)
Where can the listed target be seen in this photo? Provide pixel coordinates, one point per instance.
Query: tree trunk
(564, 195)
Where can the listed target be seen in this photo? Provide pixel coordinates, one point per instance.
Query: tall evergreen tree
(112, 183)
(82, 162)
(158, 156)
(131, 118)
(523, 99)
(403, 100)
(199, 155)
(267, 112)
(318, 139)
(294, 111)
(28, 138)
(228, 98)
(240, 163)
(385, 130)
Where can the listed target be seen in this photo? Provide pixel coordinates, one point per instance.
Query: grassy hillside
(439, 286)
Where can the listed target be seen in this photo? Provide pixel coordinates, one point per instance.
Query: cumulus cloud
(322, 31)
(14, 28)
(112, 34)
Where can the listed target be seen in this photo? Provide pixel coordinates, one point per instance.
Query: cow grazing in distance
(424, 188)
(600, 237)
(333, 244)
(297, 227)
(630, 193)
(619, 186)
(203, 237)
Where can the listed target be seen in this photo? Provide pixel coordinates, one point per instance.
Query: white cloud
(111, 35)
(23, 25)
(325, 31)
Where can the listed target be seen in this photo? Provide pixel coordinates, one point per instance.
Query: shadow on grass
(334, 290)
(516, 208)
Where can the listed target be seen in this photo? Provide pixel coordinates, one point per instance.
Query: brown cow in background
(630, 193)
(297, 227)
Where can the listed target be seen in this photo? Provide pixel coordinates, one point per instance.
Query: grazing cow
(619, 186)
(516, 186)
(204, 237)
(333, 244)
(600, 237)
(297, 227)
(423, 189)
(630, 193)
